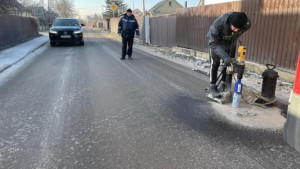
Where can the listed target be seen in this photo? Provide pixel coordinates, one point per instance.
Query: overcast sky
(89, 7)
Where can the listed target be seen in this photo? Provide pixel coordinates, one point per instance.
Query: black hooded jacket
(221, 38)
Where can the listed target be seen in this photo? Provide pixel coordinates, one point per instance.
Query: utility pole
(144, 23)
(132, 4)
(144, 9)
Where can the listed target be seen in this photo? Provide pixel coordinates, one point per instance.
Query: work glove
(137, 32)
(227, 60)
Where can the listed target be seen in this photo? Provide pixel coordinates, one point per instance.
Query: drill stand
(227, 94)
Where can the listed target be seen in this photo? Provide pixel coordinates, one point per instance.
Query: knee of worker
(215, 64)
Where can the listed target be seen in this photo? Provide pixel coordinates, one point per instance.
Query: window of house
(170, 3)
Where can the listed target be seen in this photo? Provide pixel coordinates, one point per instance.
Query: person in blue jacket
(128, 26)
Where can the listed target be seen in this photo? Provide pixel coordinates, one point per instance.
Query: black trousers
(215, 64)
(127, 42)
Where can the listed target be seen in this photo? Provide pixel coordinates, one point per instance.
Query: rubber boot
(213, 92)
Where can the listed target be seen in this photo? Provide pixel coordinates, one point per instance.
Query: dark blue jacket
(128, 26)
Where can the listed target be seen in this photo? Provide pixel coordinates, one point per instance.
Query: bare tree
(65, 8)
(50, 15)
(28, 7)
(29, 3)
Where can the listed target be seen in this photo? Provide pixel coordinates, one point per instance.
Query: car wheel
(52, 43)
(81, 43)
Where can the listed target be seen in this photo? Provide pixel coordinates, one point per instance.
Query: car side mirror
(82, 25)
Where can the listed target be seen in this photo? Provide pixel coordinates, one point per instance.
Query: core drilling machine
(237, 67)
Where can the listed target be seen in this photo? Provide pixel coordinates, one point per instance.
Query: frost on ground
(11, 56)
(15, 69)
(250, 79)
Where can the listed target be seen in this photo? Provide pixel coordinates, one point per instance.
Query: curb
(2, 69)
(36, 48)
(31, 51)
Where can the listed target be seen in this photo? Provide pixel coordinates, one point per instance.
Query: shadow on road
(200, 116)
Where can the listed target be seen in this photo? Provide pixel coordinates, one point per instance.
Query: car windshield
(66, 22)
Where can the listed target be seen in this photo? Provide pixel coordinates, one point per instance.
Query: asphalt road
(81, 107)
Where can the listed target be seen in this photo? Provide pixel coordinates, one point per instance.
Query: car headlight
(53, 31)
(78, 31)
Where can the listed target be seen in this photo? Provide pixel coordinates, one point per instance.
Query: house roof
(159, 4)
(137, 10)
(201, 3)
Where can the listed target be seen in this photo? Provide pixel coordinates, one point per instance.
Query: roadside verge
(13, 55)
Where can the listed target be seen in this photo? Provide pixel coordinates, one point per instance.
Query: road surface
(81, 107)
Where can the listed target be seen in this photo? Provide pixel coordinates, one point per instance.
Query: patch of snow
(201, 59)
(282, 83)
(181, 53)
(17, 67)
(11, 56)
